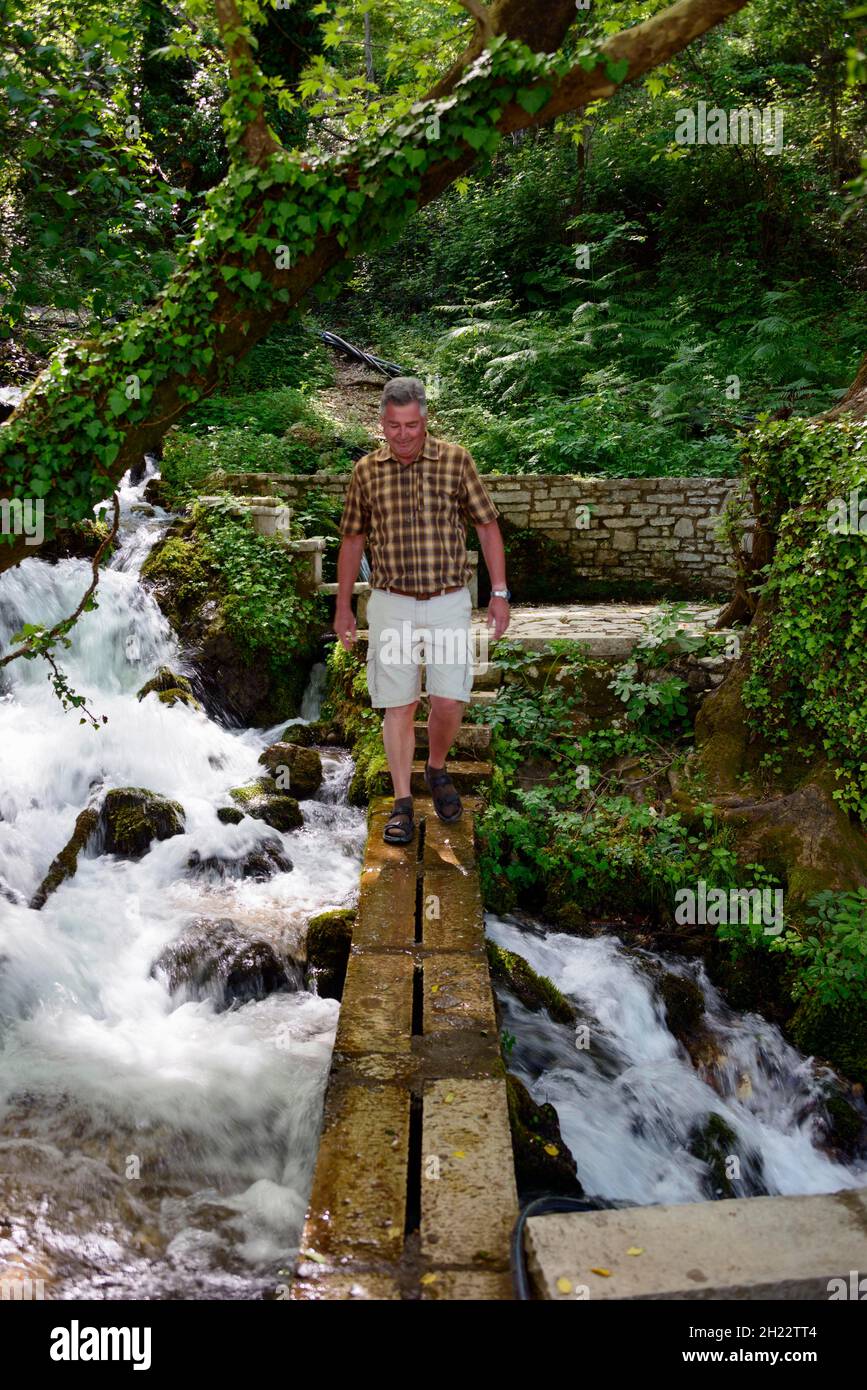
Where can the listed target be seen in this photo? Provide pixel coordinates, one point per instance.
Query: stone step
(471, 740)
(467, 776)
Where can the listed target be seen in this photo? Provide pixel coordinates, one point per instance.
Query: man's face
(404, 428)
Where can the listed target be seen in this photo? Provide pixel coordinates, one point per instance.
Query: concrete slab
(469, 1202)
(465, 775)
(312, 1286)
(357, 1205)
(458, 993)
(462, 1285)
(452, 913)
(376, 1009)
(386, 906)
(741, 1248)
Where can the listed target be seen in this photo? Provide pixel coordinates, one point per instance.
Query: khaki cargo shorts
(404, 632)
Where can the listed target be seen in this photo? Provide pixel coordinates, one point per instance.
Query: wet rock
(543, 1163)
(230, 815)
(844, 1125)
(164, 681)
(80, 541)
(260, 863)
(714, 1142)
(213, 959)
(66, 862)
(326, 733)
(297, 769)
(300, 734)
(329, 939)
(534, 991)
(277, 809)
(155, 493)
(131, 818)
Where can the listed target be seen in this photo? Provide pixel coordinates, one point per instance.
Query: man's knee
(401, 711)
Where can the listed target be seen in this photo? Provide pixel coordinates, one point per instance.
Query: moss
(131, 818)
(714, 1142)
(543, 1163)
(66, 862)
(164, 680)
(329, 940)
(173, 697)
(260, 800)
(684, 1004)
(230, 815)
(304, 767)
(835, 1033)
(534, 991)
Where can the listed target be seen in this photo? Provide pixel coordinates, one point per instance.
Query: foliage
(833, 957)
(810, 670)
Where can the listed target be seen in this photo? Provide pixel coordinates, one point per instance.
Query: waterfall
(148, 1148)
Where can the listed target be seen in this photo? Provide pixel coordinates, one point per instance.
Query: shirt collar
(429, 451)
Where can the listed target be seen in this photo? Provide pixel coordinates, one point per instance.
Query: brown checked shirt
(415, 515)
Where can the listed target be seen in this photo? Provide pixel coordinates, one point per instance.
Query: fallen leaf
(429, 1278)
(458, 1153)
(449, 1097)
(564, 1285)
(635, 1250)
(606, 1273)
(552, 1149)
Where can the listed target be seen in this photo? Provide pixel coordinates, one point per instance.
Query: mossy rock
(277, 809)
(165, 680)
(304, 768)
(230, 815)
(326, 733)
(846, 1126)
(214, 960)
(302, 735)
(261, 862)
(543, 1163)
(534, 991)
(835, 1033)
(371, 777)
(80, 541)
(156, 493)
(66, 862)
(684, 1004)
(329, 940)
(714, 1142)
(174, 697)
(131, 818)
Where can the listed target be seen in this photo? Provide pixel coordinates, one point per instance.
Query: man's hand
(498, 616)
(344, 626)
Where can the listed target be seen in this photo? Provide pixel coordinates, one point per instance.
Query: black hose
(378, 364)
(537, 1207)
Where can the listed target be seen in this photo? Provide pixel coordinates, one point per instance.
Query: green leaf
(533, 98)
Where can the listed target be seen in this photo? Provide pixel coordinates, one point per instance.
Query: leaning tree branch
(237, 324)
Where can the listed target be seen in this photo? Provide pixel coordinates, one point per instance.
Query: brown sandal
(400, 823)
(447, 803)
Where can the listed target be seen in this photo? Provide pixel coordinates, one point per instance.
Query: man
(411, 498)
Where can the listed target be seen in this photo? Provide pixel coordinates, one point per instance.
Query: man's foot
(400, 826)
(447, 803)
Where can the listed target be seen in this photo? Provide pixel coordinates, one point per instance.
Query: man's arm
(491, 539)
(348, 564)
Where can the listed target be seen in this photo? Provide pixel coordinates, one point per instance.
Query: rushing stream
(151, 1148)
(98, 1067)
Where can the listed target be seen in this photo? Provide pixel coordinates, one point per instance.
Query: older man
(411, 498)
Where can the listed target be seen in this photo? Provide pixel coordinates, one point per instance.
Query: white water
(97, 1063)
(628, 1102)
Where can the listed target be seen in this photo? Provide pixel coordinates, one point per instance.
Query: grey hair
(403, 390)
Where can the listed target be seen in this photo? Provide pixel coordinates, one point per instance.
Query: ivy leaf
(532, 98)
(616, 71)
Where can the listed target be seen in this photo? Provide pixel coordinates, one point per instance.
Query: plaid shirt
(415, 515)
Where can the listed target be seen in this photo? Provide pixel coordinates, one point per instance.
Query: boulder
(260, 863)
(329, 939)
(230, 815)
(295, 768)
(131, 818)
(543, 1163)
(213, 959)
(259, 799)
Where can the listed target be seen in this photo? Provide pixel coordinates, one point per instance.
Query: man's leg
(443, 723)
(398, 736)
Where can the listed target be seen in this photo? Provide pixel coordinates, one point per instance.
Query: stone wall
(657, 531)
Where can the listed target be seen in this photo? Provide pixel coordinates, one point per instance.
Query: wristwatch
(501, 593)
